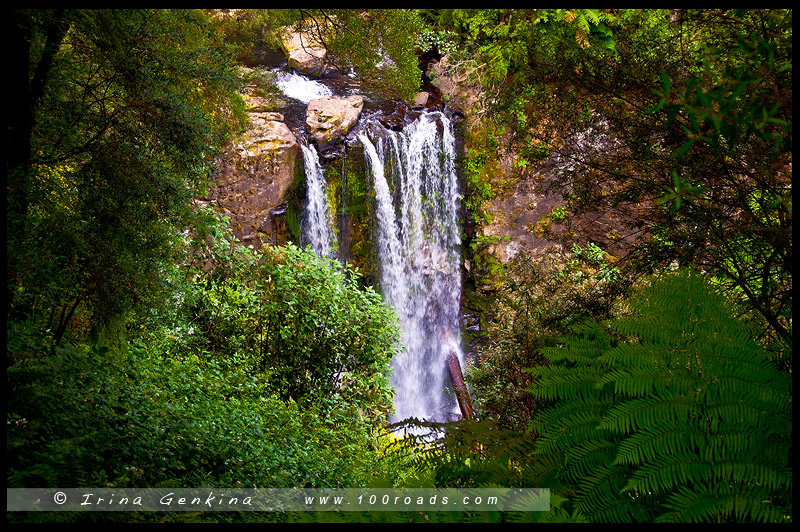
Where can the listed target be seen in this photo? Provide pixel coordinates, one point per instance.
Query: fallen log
(464, 402)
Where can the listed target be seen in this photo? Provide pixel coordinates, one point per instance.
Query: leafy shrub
(100, 419)
(301, 322)
(539, 302)
(264, 369)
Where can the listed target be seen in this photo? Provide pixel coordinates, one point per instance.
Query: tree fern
(684, 419)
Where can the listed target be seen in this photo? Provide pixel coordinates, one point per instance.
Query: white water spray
(417, 199)
(299, 87)
(317, 224)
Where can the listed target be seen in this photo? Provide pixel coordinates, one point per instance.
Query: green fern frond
(667, 472)
(707, 504)
(641, 413)
(646, 446)
(603, 498)
(686, 420)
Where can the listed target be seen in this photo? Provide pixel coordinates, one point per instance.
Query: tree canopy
(117, 116)
(145, 347)
(676, 124)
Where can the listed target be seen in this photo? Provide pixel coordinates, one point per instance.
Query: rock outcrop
(329, 118)
(516, 207)
(304, 49)
(303, 54)
(256, 177)
(519, 215)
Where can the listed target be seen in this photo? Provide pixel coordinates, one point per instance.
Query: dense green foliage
(542, 298)
(136, 419)
(145, 347)
(126, 110)
(301, 322)
(192, 399)
(674, 123)
(677, 417)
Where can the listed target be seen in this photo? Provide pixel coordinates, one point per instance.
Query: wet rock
(331, 117)
(396, 114)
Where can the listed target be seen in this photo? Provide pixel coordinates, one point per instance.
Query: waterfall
(299, 87)
(416, 192)
(418, 242)
(317, 225)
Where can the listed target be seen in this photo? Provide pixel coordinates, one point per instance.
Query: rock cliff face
(256, 176)
(518, 215)
(260, 184)
(511, 214)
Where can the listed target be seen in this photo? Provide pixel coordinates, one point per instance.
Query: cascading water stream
(418, 244)
(417, 197)
(317, 224)
(317, 221)
(299, 87)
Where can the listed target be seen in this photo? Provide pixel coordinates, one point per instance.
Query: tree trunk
(464, 402)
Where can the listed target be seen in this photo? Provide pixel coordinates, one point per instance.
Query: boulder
(420, 100)
(396, 114)
(331, 117)
(304, 50)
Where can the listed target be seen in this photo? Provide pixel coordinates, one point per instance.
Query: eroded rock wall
(256, 176)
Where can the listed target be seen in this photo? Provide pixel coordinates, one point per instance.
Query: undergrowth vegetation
(193, 397)
(147, 348)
